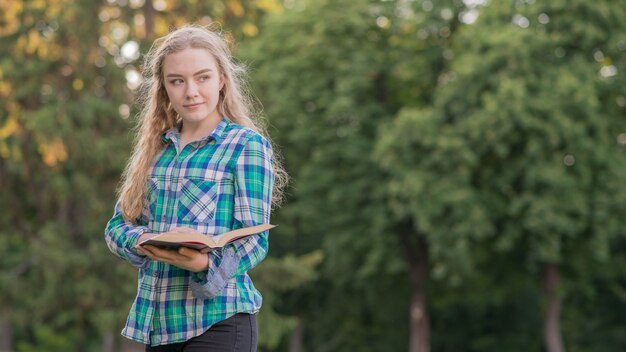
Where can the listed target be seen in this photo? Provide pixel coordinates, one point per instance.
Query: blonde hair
(158, 116)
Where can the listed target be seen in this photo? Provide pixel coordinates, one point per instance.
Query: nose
(192, 90)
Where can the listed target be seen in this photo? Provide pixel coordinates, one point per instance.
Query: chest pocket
(197, 200)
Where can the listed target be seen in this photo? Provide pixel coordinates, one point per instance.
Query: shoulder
(245, 137)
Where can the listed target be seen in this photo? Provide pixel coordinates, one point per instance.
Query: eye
(176, 81)
(204, 78)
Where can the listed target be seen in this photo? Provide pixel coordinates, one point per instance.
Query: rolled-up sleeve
(254, 180)
(121, 237)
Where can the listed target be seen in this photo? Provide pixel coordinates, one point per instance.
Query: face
(193, 82)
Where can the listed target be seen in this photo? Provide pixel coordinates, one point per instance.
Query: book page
(230, 236)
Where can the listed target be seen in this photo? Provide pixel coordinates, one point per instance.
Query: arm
(254, 179)
(121, 237)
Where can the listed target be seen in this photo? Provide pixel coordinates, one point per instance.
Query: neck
(193, 131)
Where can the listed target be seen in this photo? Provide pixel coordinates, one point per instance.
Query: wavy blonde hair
(158, 116)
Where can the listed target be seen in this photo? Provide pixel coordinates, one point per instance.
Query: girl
(200, 164)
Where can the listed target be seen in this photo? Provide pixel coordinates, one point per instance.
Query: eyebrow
(195, 74)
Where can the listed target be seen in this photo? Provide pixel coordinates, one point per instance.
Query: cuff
(209, 283)
(139, 261)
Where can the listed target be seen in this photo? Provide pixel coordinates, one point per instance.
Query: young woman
(200, 164)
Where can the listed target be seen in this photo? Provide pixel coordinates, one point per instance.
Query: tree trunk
(6, 330)
(127, 345)
(108, 342)
(148, 15)
(552, 328)
(416, 252)
(295, 344)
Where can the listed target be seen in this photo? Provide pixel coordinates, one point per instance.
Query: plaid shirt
(216, 184)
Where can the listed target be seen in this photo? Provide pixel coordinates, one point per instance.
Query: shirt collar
(173, 134)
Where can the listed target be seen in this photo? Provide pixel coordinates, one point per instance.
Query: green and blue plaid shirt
(216, 184)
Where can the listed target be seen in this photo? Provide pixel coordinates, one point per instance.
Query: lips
(192, 105)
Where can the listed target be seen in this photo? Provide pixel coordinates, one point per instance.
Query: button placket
(176, 183)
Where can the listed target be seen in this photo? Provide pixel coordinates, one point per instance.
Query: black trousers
(237, 334)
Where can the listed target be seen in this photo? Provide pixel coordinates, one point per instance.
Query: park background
(458, 170)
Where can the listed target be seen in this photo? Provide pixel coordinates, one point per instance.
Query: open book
(174, 240)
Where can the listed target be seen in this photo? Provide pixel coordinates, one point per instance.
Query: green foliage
(517, 154)
(47, 339)
(500, 138)
(277, 276)
(501, 143)
(64, 139)
(327, 108)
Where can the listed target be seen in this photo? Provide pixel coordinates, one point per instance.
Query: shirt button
(155, 274)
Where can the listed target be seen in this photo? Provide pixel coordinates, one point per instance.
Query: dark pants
(237, 334)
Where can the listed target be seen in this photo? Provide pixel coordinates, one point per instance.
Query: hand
(144, 236)
(184, 258)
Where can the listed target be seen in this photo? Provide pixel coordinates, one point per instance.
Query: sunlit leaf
(53, 152)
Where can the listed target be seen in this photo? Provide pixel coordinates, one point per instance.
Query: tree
(523, 132)
(57, 100)
(66, 102)
(329, 89)
(437, 163)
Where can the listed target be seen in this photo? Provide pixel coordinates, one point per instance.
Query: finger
(186, 252)
(205, 250)
(140, 250)
(148, 251)
(160, 254)
(149, 254)
(148, 248)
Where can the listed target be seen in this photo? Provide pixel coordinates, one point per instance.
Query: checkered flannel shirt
(216, 184)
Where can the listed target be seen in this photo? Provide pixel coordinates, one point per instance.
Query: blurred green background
(458, 170)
